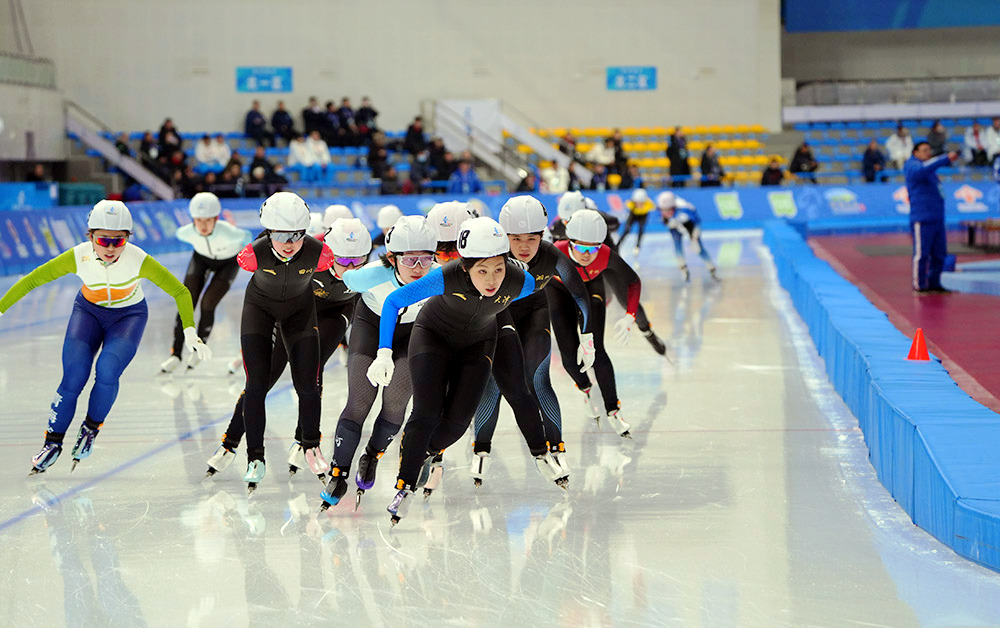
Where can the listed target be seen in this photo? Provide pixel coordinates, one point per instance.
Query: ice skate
(478, 469)
(236, 365)
(400, 505)
(317, 463)
(254, 475)
(434, 481)
(655, 341)
(590, 409)
(686, 273)
(45, 458)
(170, 364)
(558, 453)
(220, 460)
(619, 424)
(335, 490)
(550, 470)
(193, 360)
(432, 469)
(84, 442)
(365, 477)
(714, 274)
(296, 458)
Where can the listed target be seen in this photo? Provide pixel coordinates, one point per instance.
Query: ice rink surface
(745, 498)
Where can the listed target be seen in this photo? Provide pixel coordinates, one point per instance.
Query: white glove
(380, 372)
(586, 354)
(623, 329)
(195, 344)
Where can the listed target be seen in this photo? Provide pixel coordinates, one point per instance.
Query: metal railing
(901, 91)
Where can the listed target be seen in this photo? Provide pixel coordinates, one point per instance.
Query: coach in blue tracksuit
(930, 246)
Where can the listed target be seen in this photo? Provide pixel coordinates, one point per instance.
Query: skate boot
(335, 490)
(296, 458)
(220, 460)
(170, 364)
(236, 365)
(365, 477)
(686, 273)
(400, 504)
(590, 409)
(478, 469)
(551, 470)
(254, 475)
(655, 341)
(558, 453)
(431, 473)
(712, 272)
(84, 441)
(46, 457)
(317, 463)
(619, 424)
(193, 360)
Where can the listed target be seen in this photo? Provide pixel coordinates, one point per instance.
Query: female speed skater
(216, 244)
(109, 315)
(639, 208)
(446, 219)
(681, 217)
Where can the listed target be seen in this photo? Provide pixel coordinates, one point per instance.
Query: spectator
(976, 144)
(149, 150)
(873, 162)
(255, 126)
(420, 173)
(555, 177)
(231, 182)
(415, 140)
(312, 117)
(448, 167)
(347, 125)
(621, 159)
(319, 149)
(378, 159)
(203, 152)
(937, 138)
(772, 175)
(256, 187)
(281, 123)
(602, 153)
(331, 131)
(993, 140)
(121, 143)
(213, 154)
(528, 183)
(599, 181)
(677, 153)
(632, 178)
(436, 153)
(169, 139)
(464, 180)
(567, 145)
(930, 244)
(900, 147)
(711, 170)
(260, 161)
(390, 182)
(364, 117)
(302, 158)
(36, 175)
(804, 164)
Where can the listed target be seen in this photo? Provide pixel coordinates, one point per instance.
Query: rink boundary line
(34, 510)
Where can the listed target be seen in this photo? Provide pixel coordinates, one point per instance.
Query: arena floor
(745, 498)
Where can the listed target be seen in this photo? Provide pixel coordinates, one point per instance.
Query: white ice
(745, 498)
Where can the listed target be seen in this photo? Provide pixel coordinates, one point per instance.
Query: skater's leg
(537, 344)
(394, 400)
(429, 356)
(121, 340)
(487, 414)
(562, 310)
(468, 372)
(509, 374)
(217, 288)
(194, 281)
(360, 393)
(258, 346)
(84, 335)
(301, 340)
(642, 229)
(603, 369)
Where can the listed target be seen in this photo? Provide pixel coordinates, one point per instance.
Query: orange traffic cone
(918, 350)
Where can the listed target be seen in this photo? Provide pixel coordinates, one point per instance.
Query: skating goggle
(287, 236)
(585, 249)
(411, 261)
(447, 251)
(349, 261)
(110, 242)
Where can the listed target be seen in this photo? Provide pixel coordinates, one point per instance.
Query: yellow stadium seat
(748, 160)
(729, 129)
(559, 132)
(662, 162)
(614, 180)
(524, 148)
(700, 130)
(715, 129)
(753, 144)
(737, 144)
(758, 128)
(631, 132)
(583, 148)
(696, 145)
(694, 162)
(639, 147)
(723, 145)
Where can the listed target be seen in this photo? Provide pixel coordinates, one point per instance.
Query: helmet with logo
(110, 215)
(482, 237)
(587, 225)
(316, 228)
(523, 214)
(284, 211)
(447, 217)
(204, 205)
(639, 196)
(569, 204)
(387, 216)
(410, 233)
(349, 238)
(333, 212)
(665, 200)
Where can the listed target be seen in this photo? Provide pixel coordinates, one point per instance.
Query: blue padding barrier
(932, 446)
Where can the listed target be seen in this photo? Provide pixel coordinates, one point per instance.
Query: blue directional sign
(631, 77)
(263, 79)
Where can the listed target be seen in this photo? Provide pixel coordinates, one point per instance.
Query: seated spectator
(436, 151)
(420, 174)
(36, 174)
(313, 117)
(448, 167)
(602, 153)
(937, 138)
(464, 180)
(348, 127)
(900, 147)
(378, 160)
(631, 178)
(567, 145)
(975, 146)
(527, 184)
(230, 184)
(711, 170)
(555, 178)
(599, 181)
(804, 164)
(255, 126)
(330, 129)
(169, 139)
(281, 123)
(149, 150)
(303, 159)
(390, 182)
(415, 140)
(121, 143)
(213, 154)
(256, 187)
(203, 152)
(364, 117)
(993, 140)
(260, 160)
(773, 174)
(319, 149)
(873, 162)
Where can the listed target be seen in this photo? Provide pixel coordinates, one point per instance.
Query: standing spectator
(677, 153)
(711, 170)
(121, 144)
(420, 174)
(975, 153)
(312, 117)
(873, 162)
(804, 164)
(319, 149)
(772, 175)
(599, 181)
(937, 138)
(348, 127)
(390, 182)
(378, 159)
(632, 178)
(302, 158)
(464, 180)
(528, 183)
(448, 167)
(567, 145)
(37, 174)
(436, 152)
(930, 244)
(900, 147)
(169, 139)
(255, 126)
(993, 140)
(621, 159)
(555, 177)
(281, 123)
(149, 150)
(364, 117)
(602, 153)
(415, 140)
(330, 129)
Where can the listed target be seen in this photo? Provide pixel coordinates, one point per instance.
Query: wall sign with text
(263, 79)
(631, 77)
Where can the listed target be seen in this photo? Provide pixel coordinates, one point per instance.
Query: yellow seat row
(655, 131)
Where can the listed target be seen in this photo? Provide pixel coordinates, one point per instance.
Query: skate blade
(357, 500)
(393, 520)
(35, 471)
(563, 483)
(626, 434)
(210, 472)
(427, 493)
(75, 462)
(292, 470)
(322, 478)
(251, 487)
(478, 482)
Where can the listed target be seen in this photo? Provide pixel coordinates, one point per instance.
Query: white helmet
(284, 211)
(523, 214)
(410, 233)
(569, 203)
(665, 200)
(587, 225)
(589, 203)
(349, 238)
(547, 235)
(639, 196)
(387, 217)
(333, 212)
(316, 227)
(482, 237)
(204, 205)
(110, 215)
(447, 217)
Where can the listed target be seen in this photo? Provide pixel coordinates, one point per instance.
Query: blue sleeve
(528, 287)
(996, 168)
(365, 278)
(571, 279)
(429, 285)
